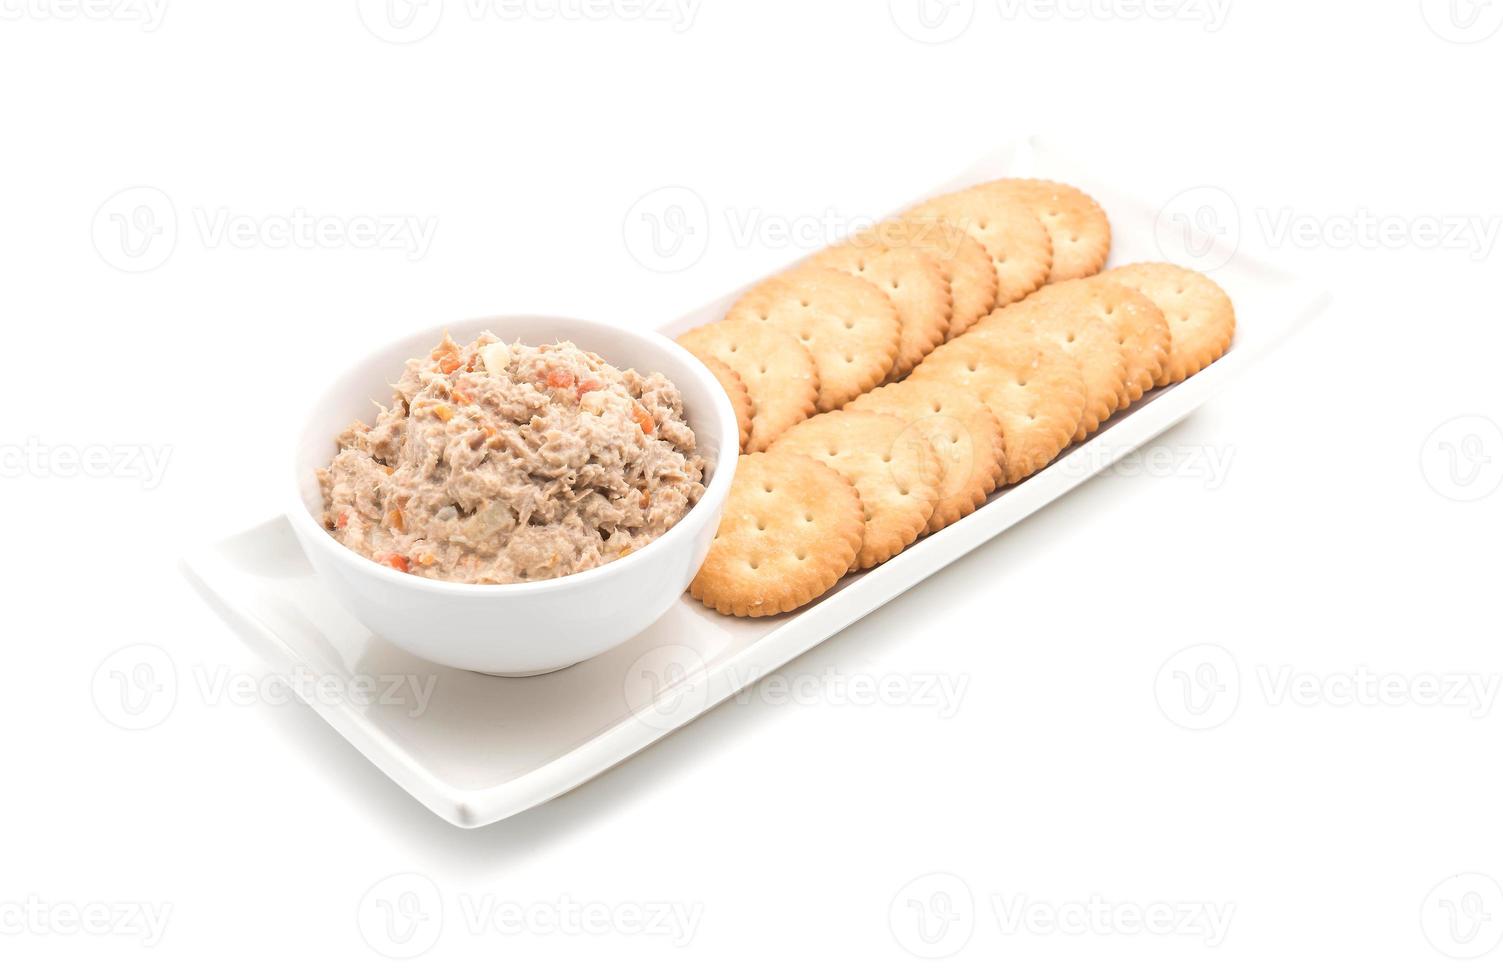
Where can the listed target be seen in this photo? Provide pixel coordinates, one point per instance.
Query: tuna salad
(501, 463)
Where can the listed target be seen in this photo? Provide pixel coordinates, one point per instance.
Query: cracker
(1142, 331)
(778, 372)
(962, 260)
(918, 291)
(1201, 318)
(791, 529)
(848, 324)
(966, 436)
(1063, 316)
(1012, 235)
(1033, 388)
(1079, 230)
(893, 468)
(735, 390)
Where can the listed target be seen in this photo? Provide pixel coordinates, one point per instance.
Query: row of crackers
(887, 386)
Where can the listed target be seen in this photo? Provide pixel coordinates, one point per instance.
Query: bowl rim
(716, 490)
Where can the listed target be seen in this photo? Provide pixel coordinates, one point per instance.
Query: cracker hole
(801, 556)
(753, 565)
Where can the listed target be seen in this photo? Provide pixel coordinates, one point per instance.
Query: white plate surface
(479, 749)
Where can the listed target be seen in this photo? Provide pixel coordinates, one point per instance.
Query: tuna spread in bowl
(499, 463)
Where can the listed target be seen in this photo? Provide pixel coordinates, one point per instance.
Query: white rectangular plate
(485, 748)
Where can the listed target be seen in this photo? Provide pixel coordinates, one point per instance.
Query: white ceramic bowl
(527, 627)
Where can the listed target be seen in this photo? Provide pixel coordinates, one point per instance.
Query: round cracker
(778, 373)
(966, 436)
(918, 291)
(1061, 315)
(1033, 388)
(1201, 318)
(791, 528)
(1010, 232)
(1142, 331)
(893, 468)
(1079, 231)
(735, 390)
(964, 263)
(848, 324)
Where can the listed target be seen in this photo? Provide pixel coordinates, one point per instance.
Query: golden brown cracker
(893, 468)
(1142, 331)
(1032, 387)
(848, 324)
(962, 260)
(792, 527)
(917, 288)
(1062, 316)
(735, 390)
(966, 436)
(1079, 232)
(778, 373)
(1201, 318)
(1011, 233)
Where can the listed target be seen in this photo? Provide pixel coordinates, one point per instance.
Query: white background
(1327, 825)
